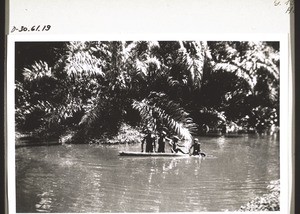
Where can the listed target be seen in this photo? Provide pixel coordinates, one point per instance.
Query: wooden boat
(146, 154)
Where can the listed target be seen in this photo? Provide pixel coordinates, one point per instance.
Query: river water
(93, 178)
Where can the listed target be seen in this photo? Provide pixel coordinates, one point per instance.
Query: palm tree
(252, 69)
(96, 86)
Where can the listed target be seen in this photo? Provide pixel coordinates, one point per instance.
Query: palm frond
(89, 117)
(192, 55)
(81, 63)
(214, 113)
(256, 56)
(157, 109)
(38, 70)
(239, 70)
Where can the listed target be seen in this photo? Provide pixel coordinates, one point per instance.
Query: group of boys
(150, 140)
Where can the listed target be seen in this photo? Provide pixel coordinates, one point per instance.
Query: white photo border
(286, 96)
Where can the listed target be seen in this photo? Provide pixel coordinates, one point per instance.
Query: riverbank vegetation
(267, 202)
(87, 91)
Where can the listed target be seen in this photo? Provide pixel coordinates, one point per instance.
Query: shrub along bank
(267, 202)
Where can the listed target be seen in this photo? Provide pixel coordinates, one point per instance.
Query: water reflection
(84, 178)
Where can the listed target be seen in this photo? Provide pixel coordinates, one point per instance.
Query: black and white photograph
(128, 126)
(149, 106)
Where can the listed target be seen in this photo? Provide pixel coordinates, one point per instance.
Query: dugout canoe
(146, 154)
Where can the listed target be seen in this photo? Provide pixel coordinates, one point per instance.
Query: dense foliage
(184, 87)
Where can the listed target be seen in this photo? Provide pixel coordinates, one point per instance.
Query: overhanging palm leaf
(238, 70)
(158, 110)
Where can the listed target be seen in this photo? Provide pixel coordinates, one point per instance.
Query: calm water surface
(92, 178)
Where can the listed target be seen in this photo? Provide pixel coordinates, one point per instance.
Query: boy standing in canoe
(162, 141)
(150, 142)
